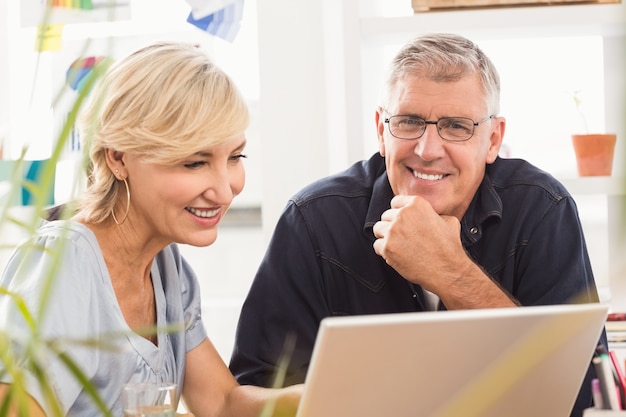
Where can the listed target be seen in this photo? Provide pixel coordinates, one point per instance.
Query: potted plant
(30, 352)
(594, 151)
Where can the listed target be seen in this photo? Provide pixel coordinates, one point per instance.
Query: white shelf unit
(357, 42)
(355, 59)
(611, 187)
(613, 190)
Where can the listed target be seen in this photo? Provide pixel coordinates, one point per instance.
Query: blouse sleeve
(49, 273)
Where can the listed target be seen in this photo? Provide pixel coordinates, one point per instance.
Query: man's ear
(495, 140)
(380, 130)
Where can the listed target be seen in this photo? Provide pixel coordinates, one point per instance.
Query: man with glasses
(435, 220)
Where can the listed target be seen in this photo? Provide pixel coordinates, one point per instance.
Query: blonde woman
(165, 131)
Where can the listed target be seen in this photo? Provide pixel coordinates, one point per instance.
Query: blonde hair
(444, 57)
(163, 102)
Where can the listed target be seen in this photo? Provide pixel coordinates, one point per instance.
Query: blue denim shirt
(522, 228)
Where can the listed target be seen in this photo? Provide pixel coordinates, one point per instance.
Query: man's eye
(414, 122)
(408, 122)
(460, 125)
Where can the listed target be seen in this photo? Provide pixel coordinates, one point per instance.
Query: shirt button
(474, 230)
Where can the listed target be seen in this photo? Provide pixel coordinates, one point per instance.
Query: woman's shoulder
(67, 229)
(61, 241)
(60, 257)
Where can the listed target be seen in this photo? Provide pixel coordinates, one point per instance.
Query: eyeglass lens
(449, 128)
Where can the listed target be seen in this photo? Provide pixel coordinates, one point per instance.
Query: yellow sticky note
(48, 38)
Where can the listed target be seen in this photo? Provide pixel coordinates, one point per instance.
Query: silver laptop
(508, 362)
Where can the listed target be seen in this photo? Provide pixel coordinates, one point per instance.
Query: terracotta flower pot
(594, 153)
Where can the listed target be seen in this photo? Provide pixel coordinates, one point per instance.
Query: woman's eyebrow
(207, 154)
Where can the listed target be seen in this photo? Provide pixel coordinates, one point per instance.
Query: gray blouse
(82, 306)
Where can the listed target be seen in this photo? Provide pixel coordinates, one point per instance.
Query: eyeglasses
(452, 129)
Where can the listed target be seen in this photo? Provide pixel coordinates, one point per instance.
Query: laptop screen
(527, 361)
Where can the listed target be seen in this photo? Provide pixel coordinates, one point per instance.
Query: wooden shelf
(499, 23)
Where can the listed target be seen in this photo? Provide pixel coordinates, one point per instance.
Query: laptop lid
(510, 362)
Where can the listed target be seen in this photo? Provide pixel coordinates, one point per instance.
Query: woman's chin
(201, 241)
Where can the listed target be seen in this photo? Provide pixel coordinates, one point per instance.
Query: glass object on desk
(150, 399)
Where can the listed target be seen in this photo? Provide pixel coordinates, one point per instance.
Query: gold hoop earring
(127, 205)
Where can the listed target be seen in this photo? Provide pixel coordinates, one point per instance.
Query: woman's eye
(196, 164)
(238, 157)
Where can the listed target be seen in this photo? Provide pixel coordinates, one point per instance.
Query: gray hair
(443, 57)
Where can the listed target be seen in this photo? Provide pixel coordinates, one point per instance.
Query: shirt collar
(485, 205)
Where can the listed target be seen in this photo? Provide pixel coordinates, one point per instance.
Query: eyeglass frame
(436, 123)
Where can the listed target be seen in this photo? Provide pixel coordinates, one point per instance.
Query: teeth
(203, 213)
(427, 177)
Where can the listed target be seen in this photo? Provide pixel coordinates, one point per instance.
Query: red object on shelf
(620, 379)
(616, 317)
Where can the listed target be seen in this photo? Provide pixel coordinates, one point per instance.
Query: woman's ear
(115, 162)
